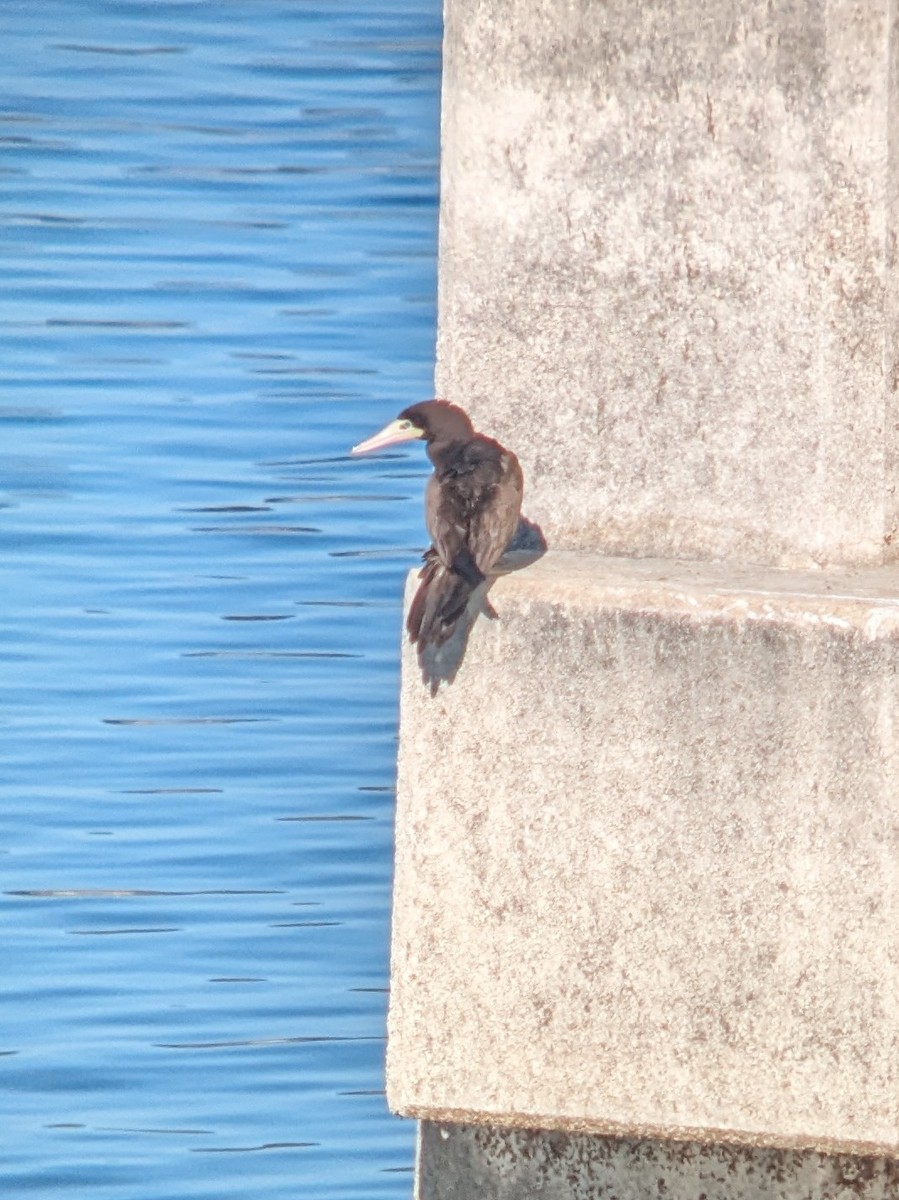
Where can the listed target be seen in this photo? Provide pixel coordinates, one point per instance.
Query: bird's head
(432, 420)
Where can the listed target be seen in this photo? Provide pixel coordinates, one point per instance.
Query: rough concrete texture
(668, 269)
(646, 874)
(458, 1162)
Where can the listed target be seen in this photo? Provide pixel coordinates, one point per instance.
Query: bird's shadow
(440, 663)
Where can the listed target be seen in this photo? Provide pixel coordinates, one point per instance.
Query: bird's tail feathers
(438, 604)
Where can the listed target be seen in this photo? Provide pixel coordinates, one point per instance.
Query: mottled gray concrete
(668, 268)
(647, 877)
(647, 847)
(459, 1162)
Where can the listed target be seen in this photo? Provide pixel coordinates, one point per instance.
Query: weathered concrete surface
(459, 1162)
(647, 847)
(669, 243)
(648, 841)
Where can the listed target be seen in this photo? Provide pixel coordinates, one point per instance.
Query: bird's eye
(405, 424)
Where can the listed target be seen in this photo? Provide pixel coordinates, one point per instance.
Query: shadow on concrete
(440, 664)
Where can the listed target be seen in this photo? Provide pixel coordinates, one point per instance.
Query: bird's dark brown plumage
(472, 505)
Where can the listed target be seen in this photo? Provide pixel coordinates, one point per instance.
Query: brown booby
(472, 505)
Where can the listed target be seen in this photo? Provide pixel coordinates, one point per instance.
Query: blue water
(217, 244)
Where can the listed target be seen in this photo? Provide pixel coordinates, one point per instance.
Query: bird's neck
(438, 452)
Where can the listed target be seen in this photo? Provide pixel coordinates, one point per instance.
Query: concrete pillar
(668, 268)
(472, 1162)
(646, 920)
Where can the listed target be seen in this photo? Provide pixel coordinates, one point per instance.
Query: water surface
(217, 237)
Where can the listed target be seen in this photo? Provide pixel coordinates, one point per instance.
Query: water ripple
(219, 260)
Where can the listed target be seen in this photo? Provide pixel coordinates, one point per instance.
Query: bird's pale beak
(396, 431)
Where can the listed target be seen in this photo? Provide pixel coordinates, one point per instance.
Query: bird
(472, 508)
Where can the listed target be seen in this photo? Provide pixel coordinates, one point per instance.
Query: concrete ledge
(647, 859)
